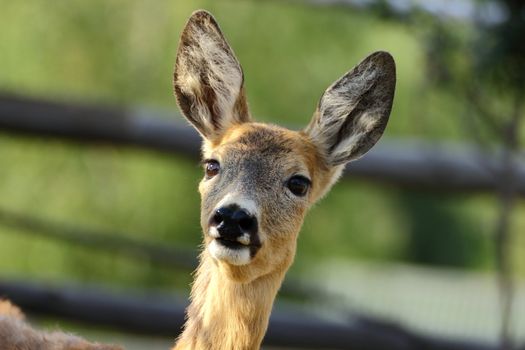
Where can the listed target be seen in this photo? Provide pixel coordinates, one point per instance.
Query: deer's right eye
(298, 185)
(211, 168)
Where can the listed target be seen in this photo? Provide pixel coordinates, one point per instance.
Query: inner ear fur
(353, 112)
(208, 79)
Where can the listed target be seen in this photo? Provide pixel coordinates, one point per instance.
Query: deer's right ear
(208, 79)
(353, 112)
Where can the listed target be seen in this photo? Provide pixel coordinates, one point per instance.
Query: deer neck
(226, 314)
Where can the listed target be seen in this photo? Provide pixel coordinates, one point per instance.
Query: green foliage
(441, 232)
(123, 51)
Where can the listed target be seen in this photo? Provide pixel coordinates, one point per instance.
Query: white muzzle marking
(240, 256)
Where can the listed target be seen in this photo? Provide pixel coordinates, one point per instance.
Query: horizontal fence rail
(160, 254)
(110, 242)
(412, 164)
(161, 315)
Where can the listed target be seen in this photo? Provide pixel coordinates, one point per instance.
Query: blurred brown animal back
(16, 334)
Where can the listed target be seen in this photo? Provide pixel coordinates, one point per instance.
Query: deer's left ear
(208, 79)
(353, 112)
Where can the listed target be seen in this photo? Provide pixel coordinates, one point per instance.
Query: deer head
(260, 179)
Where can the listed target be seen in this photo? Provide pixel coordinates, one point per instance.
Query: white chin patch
(239, 256)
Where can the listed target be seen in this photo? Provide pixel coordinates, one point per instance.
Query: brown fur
(232, 296)
(7, 309)
(15, 334)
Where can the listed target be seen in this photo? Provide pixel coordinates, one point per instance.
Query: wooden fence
(403, 163)
(406, 163)
(162, 315)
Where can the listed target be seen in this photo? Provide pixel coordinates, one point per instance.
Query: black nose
(232, 222)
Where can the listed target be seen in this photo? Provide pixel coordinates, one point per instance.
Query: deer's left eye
(298, 185)
(211, 168)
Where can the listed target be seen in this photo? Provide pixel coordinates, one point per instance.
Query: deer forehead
(282, 149)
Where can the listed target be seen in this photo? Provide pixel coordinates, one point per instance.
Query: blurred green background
(122, 52)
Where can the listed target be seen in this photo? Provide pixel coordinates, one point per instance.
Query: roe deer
(260, 179)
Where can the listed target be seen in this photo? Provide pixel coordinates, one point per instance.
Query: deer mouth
(243, 240)
(233, 251)
(231, 243)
